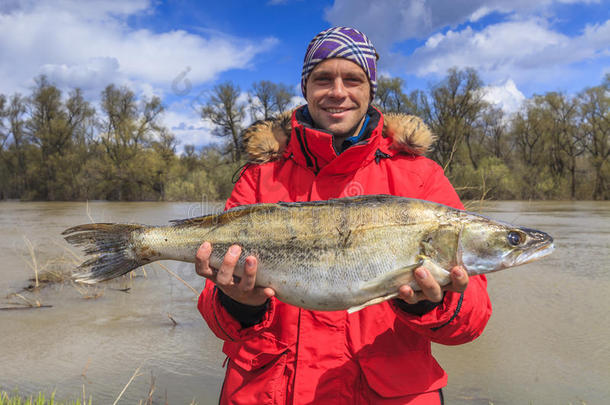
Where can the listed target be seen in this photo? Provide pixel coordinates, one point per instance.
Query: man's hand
(430, 289)
(244, 291)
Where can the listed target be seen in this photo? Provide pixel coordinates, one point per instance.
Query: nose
(338, 88)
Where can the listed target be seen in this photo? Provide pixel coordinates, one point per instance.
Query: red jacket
(378, 355)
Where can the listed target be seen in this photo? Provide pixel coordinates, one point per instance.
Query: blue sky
(180, 49)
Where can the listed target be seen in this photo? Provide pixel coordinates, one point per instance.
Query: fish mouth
(535, 254)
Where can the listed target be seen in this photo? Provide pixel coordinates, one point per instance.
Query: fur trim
(409, 133)
(265, 141)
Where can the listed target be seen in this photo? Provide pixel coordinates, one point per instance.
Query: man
(338, 145)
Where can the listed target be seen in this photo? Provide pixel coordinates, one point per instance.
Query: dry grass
(34, 263)
(61, 268)
(24, 303)
(178, 278)
(135, 374)
(89, 292)
(58, 269)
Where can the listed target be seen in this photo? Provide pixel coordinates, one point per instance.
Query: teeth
(334, 110)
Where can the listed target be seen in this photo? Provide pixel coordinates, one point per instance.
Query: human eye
(322, 78)
(354, 80)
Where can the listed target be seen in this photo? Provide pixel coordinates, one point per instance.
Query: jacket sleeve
(218, 316)
(459, 318)
(223, 324)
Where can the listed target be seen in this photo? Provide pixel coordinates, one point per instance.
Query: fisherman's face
(338, 95)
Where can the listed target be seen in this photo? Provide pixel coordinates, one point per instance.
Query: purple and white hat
(341, 42)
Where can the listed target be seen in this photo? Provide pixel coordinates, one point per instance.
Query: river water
(548, 341)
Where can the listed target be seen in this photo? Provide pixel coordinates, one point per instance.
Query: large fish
(330, 255)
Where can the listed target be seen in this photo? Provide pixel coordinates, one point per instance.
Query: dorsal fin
(224, 217)
(354, 200)
(237, 212)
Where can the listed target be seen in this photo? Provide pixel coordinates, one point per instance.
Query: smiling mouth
(336, 110)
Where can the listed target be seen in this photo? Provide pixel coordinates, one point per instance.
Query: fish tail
(112, 245)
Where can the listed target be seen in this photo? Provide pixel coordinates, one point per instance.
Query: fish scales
(325, 255)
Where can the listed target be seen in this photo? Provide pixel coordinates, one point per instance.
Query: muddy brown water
(548, 341)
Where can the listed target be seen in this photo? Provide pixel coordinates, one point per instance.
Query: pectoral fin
(372, 302)
(459, 252)
(404, 275)
(441, 275)
(395, 278)
(391, 281)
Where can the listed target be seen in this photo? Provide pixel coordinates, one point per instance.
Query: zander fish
(345, 253)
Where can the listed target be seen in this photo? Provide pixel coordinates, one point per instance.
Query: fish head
(486, 246)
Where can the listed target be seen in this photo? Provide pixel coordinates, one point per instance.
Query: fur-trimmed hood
(265, 141)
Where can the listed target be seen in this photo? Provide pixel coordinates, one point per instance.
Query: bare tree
(127, 128)
(595, 111)
(268, 99)
(567, 142)
(53, 126)
(261, 100)
(494, 132)
(16, 117)
(527, 134)
(226, 112)
(282, 97)
(451, 110)
(390, 97)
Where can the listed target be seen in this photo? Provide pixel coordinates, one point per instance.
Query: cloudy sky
(180, 49)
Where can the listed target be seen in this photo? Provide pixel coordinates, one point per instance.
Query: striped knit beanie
(341, 42)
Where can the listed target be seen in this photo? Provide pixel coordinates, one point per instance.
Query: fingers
(247, 282)
(224, 277)
(202, 260)
(245, 290)
(408, 295)
(459, 279)
(430, 289)
(242, 289)
(429, 286)
(268, 292)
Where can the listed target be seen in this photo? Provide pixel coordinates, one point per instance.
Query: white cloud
(514, 48)
(479, 13)
(95, 9)
(297, 101)
(505, 96)
(188, 126)
(94, 73)
(90, 44)
(496, 46)
(391, 21)
(525, 45)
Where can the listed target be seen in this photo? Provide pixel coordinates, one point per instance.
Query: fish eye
(514, 238)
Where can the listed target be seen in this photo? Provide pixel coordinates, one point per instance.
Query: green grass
(40, 399)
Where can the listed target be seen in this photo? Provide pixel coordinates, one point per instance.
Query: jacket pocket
(256, 372)
(396, 375)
